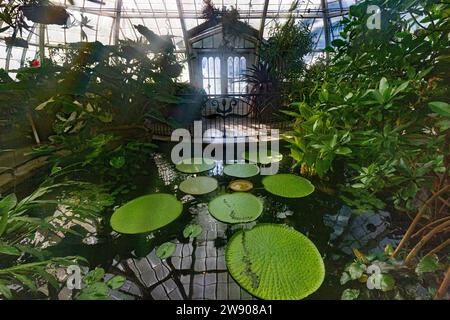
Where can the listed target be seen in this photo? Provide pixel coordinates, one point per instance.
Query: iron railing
(235, 115)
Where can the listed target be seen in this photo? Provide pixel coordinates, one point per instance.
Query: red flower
(35, 63)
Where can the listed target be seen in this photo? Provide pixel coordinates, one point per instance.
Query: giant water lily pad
(241, 170)
(236, 207)
(275, 262)
(199, 185)
(263, 156)
(195, 165)
(147, 213)
(288, 185)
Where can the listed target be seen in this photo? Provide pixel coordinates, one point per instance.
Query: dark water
(197, 270)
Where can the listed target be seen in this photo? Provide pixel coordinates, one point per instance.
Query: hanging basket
(45, 14)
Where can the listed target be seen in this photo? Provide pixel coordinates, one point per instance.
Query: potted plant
(45, 13)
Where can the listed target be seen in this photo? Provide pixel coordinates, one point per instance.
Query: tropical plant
(381, 276)
(29, 228)
(372, 115)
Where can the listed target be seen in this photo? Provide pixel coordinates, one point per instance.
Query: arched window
(211, 75)
(236, 67)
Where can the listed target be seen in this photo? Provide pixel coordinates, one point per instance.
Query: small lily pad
(236, 207)
(166, 250)
(192, 231)
(241, 185)
(195, 165)
(288, 185)
(241, 170)
(147, 213)
(263, 156)
(199, 185)
(275, 262)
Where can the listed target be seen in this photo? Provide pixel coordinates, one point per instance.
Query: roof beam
(263, 19)
(185, 38)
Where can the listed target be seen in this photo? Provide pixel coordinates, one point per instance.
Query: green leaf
(116, 282)
(343, 150)
(350, 294)
(241, 170)
(345, 278)
(94, 276)
(199, 185)
(96, 291)
(5, 291)
(288, 185)
(166, 250)
(356, 270)
(238, 207)
(384, 85)
(146, 213)
(275, 262)
(117, 162)
(387, 282)
(441, 108)
(428, 264)
(9, 250)
(192, 231)
(26, 281)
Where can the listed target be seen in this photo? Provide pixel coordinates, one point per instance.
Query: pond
(197, 268)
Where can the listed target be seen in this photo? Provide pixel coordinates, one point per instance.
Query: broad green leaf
(166, 250)
(96, 291)
(350, 294)
(441, 108)
(288, 185)
(117, 162)
(146, 213)
(356, 270)
(428, 264)
(345, 278)
(192, 231)
(275, 262)
(94, 276)
(199, 185)
(238, 207)
(116, 282)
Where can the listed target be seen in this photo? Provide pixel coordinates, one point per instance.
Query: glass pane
(218, 86)
(205, 67)
(236, 68)
(230, 68)
(243, 66)
(211, 67)
(206, 85)
(217, 69)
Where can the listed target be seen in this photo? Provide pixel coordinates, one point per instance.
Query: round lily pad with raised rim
(241, 170)
(288, 185)
(195, 165)
(239, 207)
(146, 213)
(241, 185)
(166, 250)
(263, 156)
(275, 262)
(199, 185)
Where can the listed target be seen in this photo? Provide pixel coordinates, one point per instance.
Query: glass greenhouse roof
(112, 20)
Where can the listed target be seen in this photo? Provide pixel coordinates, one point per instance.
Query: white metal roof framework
(113, 20)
